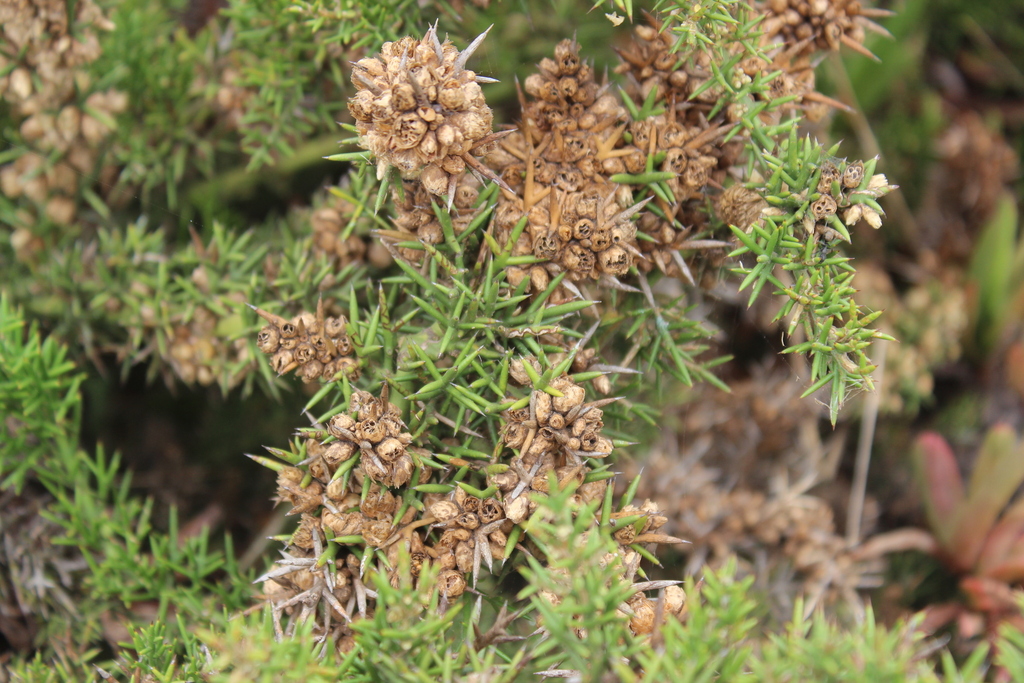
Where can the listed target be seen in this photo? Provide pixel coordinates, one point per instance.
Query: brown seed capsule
(435, 180)
(572, 396)
(518, 509)
(379, 504)
(452, 537)
(340, 422)
(545, 246)
(824, 207)
(583, 229)
(643, 620)
(376, 532)
(269, 339)
(444, 511)
(505, 481)
(336, 490)
(335, 327)
(451, 583)
(468, 520)
(853, 176)
(401, 472)
(308, 528)
(829, 174)
(332, 523)
(390, 449)
(675, 600)
(370, 430)
(282, 361)
(593, 490)
(464, 556)
(490, 511)
(615, 261)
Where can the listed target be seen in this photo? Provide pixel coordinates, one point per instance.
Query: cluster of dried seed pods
(554, 434)
(787, 536)
(843, 186)
(415, 218)
(557, 166)
(807, 26)
(473, 531)
(197, 354)
(349, 485)
(639, 610)
(378, 434)
(316, 346)
(41, 70)
(420, 110)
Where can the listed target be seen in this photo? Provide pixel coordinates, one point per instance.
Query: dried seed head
(377, 532)
(643, 620)
(740, 206)
(675, 600)
(418, 109)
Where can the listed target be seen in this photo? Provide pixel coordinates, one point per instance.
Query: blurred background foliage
(163, 166)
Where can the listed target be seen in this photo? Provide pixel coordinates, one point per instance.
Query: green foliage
(816, 649)
(713, 642)
(816, 280)
(285, 50)
(128, 561)
(996, 269)
(442, 329)
(162, 142)
(38, 397)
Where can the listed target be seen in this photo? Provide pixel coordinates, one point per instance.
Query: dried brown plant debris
(314, 345)
(39, 580)
(420, 110)
(976, 167)
(780, 534)
(930, 319)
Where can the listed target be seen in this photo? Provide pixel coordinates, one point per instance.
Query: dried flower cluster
(38, 40)
(198, 354)
(977, 165)
(415, 218)
(315, 346)
(806, 26)
(420, 110)
(554, 434)
(842, 190)
(42, 58)
(341, 229)
(558, 167)
(348, 486)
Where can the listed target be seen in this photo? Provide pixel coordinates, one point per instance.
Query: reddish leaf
(998, 472)
(988, 595)
(1001, 545)
(940, 484)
